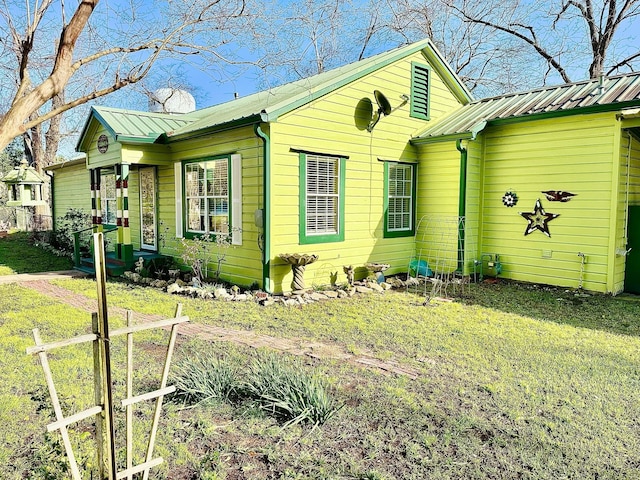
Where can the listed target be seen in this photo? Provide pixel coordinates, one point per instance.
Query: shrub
(75, 219)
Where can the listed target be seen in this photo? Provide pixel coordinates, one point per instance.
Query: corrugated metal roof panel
(144, 125)
(589, 93)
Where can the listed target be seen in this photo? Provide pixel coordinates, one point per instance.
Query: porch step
(115, 268)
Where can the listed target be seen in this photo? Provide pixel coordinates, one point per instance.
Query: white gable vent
(171, 100)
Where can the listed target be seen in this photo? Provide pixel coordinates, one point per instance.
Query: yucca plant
(283, 389)
(199, 378)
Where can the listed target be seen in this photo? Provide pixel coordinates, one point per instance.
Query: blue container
(419, 268)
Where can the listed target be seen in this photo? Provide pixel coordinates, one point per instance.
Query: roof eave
(240, 122)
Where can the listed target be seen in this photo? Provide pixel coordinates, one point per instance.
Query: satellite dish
(383, 104)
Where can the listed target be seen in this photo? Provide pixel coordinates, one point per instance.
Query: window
(108, 200)
(420, 91)
(321, 198)
(399, 193)
(206, 186)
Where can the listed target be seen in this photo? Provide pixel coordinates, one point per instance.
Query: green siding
(243, 263)
(72, 189)
(573, 154)
(331, 125)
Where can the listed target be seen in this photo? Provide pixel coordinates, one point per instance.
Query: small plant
(286, 391)
(198, 253)
(201, 378)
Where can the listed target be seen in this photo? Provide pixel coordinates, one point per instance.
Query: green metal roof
(131, 126)
(267, 105)
(593, 95)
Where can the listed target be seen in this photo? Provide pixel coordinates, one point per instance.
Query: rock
(342, 294)
(299, 292)
(290, 302)
(331, 294)
(385, 286)
(351, 292)
(159, 284)
(146, 281)
(268, 302)
(317, 296)
(241, 297)
(174, 288)
(181, 283)
(220, 293)
(376, 288)
(361, 289)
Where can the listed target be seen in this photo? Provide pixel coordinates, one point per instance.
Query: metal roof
(591, 95)
(133, 126)
(267, 105)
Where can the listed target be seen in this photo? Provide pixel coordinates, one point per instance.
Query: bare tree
(96, 49)
(570, 36)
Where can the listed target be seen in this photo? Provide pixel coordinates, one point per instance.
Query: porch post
(96, 206)
(125, 247)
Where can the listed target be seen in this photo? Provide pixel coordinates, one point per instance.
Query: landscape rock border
(292, 299)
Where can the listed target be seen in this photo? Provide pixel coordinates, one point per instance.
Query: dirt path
(240, 337)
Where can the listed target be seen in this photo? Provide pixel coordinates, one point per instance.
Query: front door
(632, 266)
(148, 224)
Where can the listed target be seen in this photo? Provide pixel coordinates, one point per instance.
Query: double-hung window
(321, 198)
(399, 194)
(206, 185)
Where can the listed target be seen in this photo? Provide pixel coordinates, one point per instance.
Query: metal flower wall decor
(510, 199)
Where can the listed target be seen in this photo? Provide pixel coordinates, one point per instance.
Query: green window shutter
(399, 199)
(321, 198)
(420, 85)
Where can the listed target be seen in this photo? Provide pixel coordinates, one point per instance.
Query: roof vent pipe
(601, 79)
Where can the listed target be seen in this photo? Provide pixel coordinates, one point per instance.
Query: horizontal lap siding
(330, 125)
(242, 264)
(72, 186)
(573, 154)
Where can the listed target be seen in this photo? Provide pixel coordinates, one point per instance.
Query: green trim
(203, 132)
(305, 239)
(190, 234)
(266, 206)
(414, 175)
(416, 83)
(426, 47)
(462, 203)
(469, 134)
(311, 152)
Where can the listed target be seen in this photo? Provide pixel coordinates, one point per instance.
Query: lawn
(515, 381)
(19, 255)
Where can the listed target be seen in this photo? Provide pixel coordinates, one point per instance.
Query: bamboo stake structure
(103, 411)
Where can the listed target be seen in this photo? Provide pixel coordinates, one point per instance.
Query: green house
(387, 160)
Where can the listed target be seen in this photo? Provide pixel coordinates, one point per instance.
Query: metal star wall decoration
(538, 219)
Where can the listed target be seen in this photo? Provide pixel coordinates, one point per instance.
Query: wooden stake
(97, 389)
(129, 395)
(57, 408)
(163, 384)
(109, 447)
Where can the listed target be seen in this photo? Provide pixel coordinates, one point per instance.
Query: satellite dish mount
(384, 108)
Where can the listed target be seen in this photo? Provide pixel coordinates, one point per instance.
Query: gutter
(266, 207)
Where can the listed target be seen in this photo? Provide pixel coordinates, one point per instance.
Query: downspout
(462, 203)
(266, 207)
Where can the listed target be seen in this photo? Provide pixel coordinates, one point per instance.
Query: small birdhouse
(25, 186)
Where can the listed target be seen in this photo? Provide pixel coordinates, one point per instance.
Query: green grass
(19, 255)
(515, 381)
